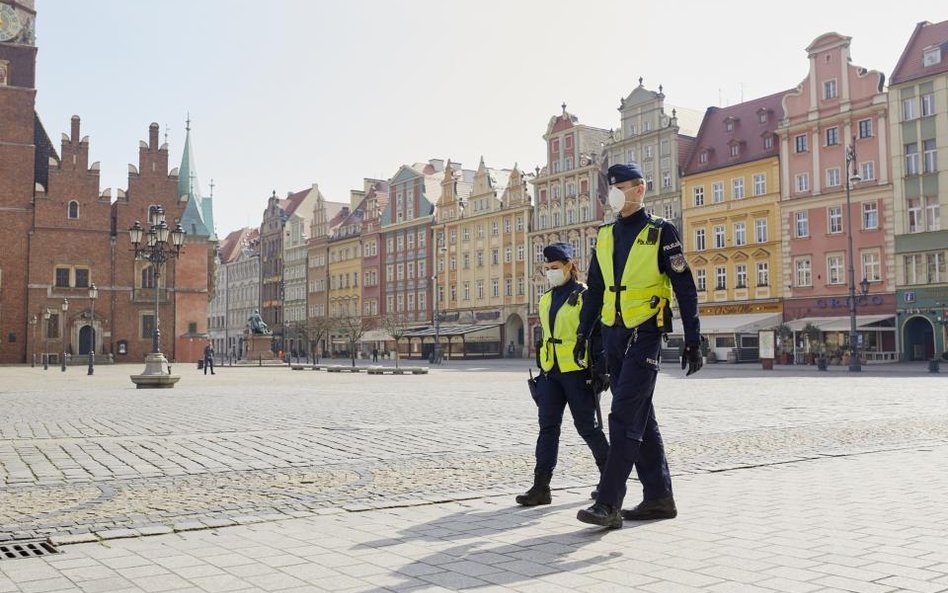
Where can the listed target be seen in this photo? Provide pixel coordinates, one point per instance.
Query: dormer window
(763, 115)
(703, 157)
(72, 211)
(730, 123)
(931, 56)
(735, 150)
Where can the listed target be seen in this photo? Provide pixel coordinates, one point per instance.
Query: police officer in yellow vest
(638, 262)
(563, 381)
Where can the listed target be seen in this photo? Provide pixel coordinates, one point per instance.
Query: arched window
(73, 210)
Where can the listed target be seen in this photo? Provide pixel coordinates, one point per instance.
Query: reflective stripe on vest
(561, 342)
(641, 279)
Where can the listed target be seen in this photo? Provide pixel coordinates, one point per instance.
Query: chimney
(75, 129)
(153, 136)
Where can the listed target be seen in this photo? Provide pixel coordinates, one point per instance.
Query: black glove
(691, 358)
(579, 352)
(598, 374)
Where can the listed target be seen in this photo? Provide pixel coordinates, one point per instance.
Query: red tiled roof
(748, 133)
(910, 64)
(686, 145)
(293, 201)
(230, 246)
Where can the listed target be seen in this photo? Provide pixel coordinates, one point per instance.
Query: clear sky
(286, 93)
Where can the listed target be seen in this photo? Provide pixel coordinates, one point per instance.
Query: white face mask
(616, 199)
(556, 277)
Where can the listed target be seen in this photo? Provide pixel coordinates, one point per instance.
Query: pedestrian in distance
(209, 358)
(563, 381)
(637, 264)
(375, 354)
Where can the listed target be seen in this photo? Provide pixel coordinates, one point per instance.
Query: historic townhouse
(345, 272)
(406, 246)
(481, 264)
(918, 102)
(282, 235)
(568, 207)
(376, 199)
(296, 228)
(237, 292)
(326, 217)
(659, 142)
(730, 228)
(838, 107)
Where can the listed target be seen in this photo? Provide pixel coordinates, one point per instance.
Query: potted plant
(813, 342)
(784, 343)
(706, 352)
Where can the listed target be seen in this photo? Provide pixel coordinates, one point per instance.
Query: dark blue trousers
(633, 431)
(556, 391)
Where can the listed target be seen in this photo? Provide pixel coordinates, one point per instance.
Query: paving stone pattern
(91, 457)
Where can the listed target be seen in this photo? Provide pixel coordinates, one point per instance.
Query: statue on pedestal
(257, 325)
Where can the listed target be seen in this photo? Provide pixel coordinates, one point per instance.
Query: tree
(813, 335)
(352, 328)
(317, 328)
(396, 325)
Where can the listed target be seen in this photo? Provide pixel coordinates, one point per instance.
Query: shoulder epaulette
(656, 220)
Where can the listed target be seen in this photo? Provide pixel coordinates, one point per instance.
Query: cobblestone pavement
(90, 457)
(872, 522)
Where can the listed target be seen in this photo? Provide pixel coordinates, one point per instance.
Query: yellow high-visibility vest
(641, 279)
(559, 342)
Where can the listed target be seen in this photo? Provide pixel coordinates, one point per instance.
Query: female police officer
(562, 381)
(638, 263)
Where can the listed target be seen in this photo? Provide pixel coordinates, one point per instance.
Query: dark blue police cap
(558, 252)
(620, 173)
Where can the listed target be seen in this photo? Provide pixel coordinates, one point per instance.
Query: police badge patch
(678, 263)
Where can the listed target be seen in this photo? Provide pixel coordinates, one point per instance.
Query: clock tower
(24, 151)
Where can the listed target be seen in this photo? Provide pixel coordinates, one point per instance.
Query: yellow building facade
(731, 225)
(481, 259)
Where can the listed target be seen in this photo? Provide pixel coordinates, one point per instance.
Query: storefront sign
(836, 303)
(740, 309)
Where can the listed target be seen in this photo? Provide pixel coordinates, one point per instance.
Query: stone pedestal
(259, 347)
(157, 374)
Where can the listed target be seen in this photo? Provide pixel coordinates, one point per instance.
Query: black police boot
(595, 493)
(601, 514)
(659, 508)
(539, 493)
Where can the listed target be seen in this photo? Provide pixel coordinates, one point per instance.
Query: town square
(497, 297)
(270, 479)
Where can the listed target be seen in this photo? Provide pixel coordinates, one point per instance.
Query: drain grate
(26, 549)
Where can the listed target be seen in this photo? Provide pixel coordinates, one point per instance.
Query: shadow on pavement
(484, 558)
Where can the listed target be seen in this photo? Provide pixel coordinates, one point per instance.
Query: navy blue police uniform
(558, 388)
(632, 356)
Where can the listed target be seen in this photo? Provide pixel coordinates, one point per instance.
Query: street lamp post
(65, 307)
(851, 178)
(46, 316)
(160, 244)
(93, 293)
(33, 322)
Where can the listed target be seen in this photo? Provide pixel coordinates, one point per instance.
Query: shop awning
(450, 330)
(842, 323)
(748, 323)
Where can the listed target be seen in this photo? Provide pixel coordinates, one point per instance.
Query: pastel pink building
(839, 107)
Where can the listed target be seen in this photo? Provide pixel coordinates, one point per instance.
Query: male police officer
(638, 262)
